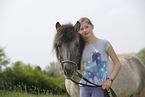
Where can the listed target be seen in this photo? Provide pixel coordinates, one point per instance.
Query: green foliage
(38, 68)
(23, 77)
(53, 70)
(3, 58)
(27, 78)
(141, 55)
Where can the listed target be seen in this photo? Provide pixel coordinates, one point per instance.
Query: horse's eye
(59, 45)
(76, 44)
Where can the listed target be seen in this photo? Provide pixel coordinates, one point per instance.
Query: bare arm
(112, 54)
(115, 60)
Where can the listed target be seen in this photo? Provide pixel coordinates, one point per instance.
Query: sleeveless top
(95, 62)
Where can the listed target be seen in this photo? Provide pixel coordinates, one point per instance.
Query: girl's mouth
(86, 34)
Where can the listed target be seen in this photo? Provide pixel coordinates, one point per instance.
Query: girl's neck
(92, 40)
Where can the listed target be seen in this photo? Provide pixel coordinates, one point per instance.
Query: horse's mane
(65, 33)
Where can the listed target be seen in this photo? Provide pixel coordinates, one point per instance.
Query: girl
(95, 61)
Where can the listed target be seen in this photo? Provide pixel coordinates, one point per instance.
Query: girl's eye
(81, 29)
(86, 26)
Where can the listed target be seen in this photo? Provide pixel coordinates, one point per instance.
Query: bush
(21, 77)
(141, 55)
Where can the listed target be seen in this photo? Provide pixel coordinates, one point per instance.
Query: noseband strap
(81, 76)
(67, 61)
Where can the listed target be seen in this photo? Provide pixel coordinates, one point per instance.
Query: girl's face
(86, 29)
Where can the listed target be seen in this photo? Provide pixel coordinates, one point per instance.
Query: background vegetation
(21, 77)
(141, 55)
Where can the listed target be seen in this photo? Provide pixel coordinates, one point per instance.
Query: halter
(67, 61)
(81, 76)
(76, 70)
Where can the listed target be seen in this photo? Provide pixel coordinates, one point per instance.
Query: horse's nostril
(69, 69)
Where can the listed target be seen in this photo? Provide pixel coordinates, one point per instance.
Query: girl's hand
(106, 84)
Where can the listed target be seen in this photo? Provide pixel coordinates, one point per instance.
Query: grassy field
(23, 94)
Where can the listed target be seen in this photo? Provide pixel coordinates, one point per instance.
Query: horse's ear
(77, 26)
(57, 25)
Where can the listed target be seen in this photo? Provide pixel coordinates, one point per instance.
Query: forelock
(65, 33)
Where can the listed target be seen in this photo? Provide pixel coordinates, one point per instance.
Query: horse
(69, 45)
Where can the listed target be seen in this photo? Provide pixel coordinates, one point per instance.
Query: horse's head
(95, 56)
(69, 44)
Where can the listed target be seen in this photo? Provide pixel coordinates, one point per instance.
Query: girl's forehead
(84, 24)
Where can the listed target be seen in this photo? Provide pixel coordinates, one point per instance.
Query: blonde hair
(85, 19)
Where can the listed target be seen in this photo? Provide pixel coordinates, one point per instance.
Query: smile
(86, 33)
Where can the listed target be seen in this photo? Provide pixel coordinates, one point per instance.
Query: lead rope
(112, 91)
(81, 76)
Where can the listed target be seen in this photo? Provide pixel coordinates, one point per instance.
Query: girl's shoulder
(104, 41)
(105, 44)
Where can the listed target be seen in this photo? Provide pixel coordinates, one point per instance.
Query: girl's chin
(87, 35)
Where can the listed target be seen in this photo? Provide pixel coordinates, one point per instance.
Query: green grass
(23, 94)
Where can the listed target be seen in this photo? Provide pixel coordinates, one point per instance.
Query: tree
(3, 58)
(53, 70)
(38, 68)
(26, 77)
(141, 55)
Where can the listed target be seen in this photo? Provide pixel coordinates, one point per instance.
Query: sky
(27, 27)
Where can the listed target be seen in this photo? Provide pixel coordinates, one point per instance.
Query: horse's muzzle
(69, 69)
